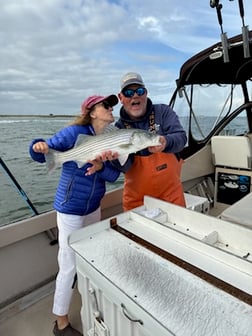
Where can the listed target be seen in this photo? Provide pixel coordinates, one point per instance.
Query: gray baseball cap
(131, 78)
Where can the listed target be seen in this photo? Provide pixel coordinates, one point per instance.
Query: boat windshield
(202, 107)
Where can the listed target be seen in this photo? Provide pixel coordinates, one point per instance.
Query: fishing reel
(224, 40)
(215, 3)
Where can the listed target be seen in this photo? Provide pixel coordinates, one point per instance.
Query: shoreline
(37, 116)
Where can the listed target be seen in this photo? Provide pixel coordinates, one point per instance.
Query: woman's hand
(41, 147)
(156, 149)
(97, 164)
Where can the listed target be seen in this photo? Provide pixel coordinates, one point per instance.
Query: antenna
(245, 32)
(224, 40)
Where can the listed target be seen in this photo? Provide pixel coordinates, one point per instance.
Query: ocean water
(35, 184)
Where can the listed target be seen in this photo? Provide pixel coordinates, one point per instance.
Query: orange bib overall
(156, 175)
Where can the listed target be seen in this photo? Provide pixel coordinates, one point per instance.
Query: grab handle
(126, 314)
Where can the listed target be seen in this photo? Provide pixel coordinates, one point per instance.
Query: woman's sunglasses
(106, 105)
(129, 93)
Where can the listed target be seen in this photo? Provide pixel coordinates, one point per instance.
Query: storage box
(129, 290)
(240, 212)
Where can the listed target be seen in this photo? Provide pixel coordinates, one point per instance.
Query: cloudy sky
(54, 53)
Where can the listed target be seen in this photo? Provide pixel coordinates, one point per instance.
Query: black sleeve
(126, 165)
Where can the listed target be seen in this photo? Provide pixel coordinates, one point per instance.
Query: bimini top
(208, 66)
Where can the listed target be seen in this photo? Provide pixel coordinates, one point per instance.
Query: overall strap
(152, 128)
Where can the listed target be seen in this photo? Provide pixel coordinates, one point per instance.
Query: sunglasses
(129, 93)
(106, 105)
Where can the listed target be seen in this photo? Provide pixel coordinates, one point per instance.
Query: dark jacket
(76, 193)
(166, 123)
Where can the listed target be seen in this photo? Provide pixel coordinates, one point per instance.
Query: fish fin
(80, 164)
(81, 139)
(84, 138)
(122, 159)
(110, 128)
(51, 160)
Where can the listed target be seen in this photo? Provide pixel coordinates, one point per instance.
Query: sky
(56, 53)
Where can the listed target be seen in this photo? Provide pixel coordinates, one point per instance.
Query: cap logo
(131, 78)
(128, 77)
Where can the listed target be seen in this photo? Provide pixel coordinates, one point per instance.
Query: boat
(217, 224)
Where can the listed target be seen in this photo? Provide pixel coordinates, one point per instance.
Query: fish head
(142, 139)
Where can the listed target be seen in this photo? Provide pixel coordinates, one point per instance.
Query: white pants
(66, 258)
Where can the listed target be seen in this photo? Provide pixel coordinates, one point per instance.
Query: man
(154, 171)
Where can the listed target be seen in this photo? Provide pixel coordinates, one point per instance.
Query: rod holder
(225, 47)
(245, 37)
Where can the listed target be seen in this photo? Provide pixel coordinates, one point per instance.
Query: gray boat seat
(240, 212)
(232, 151)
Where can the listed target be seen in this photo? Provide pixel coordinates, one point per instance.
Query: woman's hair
(83, 119)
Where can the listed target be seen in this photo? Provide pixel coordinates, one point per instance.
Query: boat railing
(32, 226)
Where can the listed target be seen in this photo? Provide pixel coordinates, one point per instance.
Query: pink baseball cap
(93, 100)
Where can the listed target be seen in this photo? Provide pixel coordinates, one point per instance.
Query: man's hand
(161, 147)
(107, 156)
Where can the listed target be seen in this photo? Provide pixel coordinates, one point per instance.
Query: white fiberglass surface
(178, 299)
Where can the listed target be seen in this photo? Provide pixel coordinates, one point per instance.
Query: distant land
(37, 115)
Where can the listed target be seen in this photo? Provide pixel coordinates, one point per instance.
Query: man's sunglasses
(129, 93)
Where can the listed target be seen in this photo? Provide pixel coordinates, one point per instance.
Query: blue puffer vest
(76, 193)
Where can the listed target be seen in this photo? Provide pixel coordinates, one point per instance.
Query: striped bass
(87, 147)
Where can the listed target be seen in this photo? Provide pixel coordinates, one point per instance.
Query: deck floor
(37, 319)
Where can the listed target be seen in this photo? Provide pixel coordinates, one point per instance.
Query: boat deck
(35, 318)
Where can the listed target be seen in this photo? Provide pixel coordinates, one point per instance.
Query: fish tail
(52, 161)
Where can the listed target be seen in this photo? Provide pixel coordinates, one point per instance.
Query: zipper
(92, 192)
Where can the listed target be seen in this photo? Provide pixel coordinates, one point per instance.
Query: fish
(87, 147)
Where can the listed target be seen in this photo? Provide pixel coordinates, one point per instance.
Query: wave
(44, 121)
(14, 121)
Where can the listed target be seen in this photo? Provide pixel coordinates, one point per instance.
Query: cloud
(57, 52)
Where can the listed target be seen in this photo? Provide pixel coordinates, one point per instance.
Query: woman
(78, 195)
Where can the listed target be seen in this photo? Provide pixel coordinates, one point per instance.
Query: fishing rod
(25, 197)
(224, 40)
(17, 185)
(245, 31)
